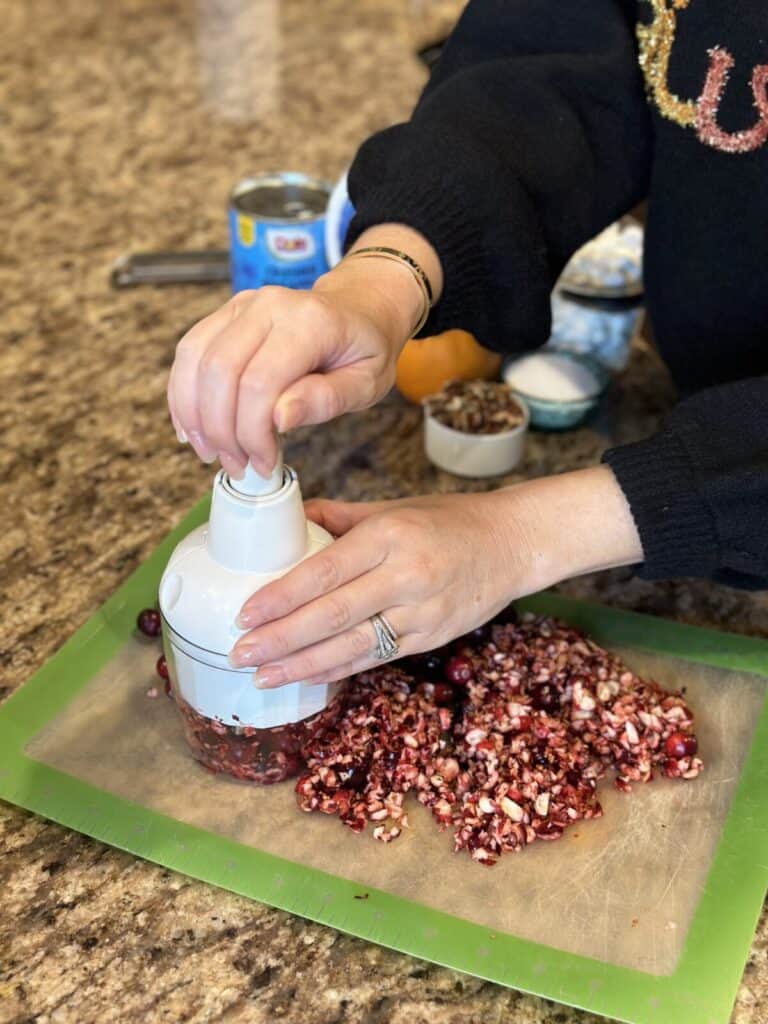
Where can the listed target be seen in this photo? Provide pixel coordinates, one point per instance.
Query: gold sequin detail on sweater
(656, 41)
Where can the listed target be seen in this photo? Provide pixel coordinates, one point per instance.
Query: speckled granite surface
(123, 127)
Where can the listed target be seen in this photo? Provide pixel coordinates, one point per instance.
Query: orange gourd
(426, 364)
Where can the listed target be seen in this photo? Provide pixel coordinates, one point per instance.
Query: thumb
(337, 517)
(318, 397)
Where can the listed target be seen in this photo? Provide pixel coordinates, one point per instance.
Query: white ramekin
(475, 455)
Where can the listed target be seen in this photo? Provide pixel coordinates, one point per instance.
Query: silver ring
(386, 639)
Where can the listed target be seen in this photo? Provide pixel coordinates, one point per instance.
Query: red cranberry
(679, 745)
(148, 621)
(459, 670)
(444, 695)
(162, 668)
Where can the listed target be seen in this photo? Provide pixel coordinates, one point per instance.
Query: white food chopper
(257, 531)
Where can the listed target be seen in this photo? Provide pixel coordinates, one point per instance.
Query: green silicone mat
(700, 989)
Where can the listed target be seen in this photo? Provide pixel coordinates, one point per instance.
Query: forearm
(533, 135)
(567, 525)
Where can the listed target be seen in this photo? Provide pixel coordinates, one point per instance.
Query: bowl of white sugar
(559, 388)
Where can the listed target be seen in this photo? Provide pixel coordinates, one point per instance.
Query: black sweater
(544, 121)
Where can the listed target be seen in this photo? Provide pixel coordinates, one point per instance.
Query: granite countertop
(124, 126)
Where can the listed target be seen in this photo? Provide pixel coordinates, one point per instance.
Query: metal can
(277, 231)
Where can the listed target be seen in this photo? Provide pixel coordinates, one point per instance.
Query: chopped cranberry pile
(390, 735)
(504, 740)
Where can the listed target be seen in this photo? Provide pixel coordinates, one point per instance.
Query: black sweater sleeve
(532, 135)
(698, 489)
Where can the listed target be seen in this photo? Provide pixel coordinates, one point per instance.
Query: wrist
(384, 289)
(407, 240)
(379, 290)
(568, 525)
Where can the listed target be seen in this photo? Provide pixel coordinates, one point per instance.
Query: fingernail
(181, 436)
(232, 465)
(262, 467)
(245, 620)
(269, 676)
(201, 447)
(288, 414)
(239, 657)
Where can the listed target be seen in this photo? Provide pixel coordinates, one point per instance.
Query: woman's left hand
(435, 567)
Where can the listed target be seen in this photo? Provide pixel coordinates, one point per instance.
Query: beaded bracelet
(410, 264)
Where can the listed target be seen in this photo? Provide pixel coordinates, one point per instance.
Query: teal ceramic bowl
(562, 414)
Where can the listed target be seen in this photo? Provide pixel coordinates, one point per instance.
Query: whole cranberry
(148, 622)
(679, 745)
(459, 670)
(445, 695)
(161, 667)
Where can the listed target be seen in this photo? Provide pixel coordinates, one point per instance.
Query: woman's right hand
(277, 358)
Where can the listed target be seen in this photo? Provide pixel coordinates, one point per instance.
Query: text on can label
(290, 244)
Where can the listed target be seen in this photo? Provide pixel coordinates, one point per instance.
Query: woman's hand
(277, 358)
(435, 567)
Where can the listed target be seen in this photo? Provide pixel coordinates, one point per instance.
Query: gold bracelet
(410, 264)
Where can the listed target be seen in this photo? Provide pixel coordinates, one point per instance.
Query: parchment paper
(622, 889)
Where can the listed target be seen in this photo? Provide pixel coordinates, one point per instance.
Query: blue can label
(275, 253)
